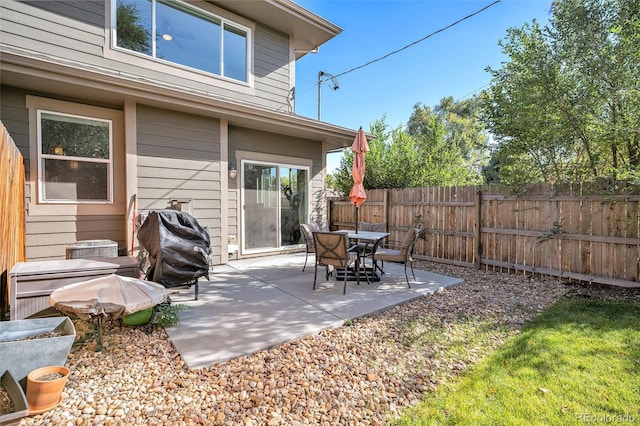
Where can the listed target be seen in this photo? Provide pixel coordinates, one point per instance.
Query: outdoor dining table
(371, 240)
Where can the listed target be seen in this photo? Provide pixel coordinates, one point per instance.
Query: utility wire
(421, 40)
(408, 46)
(473, 92)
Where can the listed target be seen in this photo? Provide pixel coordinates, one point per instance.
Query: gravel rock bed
(364, 373)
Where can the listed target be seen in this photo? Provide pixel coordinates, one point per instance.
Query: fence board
(632, 257)
(459, 222)
(538, 225)
(617, 253)
(498, 206)
(525, 244)
(568, 235)
(505, 210)
(554, 215)
(466, 213)
(585, 229)
(432, 214)
(570, 225)
(598, 228)
(12, 214)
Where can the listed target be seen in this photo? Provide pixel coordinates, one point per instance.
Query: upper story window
(173, 31)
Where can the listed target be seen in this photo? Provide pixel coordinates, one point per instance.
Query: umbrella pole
(356, 219)
(99, 344)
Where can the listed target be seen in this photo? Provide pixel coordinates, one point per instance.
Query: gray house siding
(75, 30)
(48, 235)
(88, 11)
(179, 158)
(14, 115)
(271, 58)
(269, 143)
(171, 140)
(58, 29)
(233, 225)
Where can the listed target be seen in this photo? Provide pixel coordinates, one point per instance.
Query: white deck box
(31, 283)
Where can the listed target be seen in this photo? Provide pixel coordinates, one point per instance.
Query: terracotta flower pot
(44, 388)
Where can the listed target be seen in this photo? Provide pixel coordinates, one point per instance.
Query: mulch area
(363, 373)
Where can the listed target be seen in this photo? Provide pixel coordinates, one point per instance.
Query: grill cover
(178, 248)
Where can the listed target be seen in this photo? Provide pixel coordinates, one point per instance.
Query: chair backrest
(307, 231)
(332, 248)
(409, 242)
(372, 226)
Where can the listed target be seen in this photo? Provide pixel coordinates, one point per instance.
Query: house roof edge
(109, 89)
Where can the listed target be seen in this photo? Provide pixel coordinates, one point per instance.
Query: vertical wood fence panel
(599, 227)
(632, 266)
(571, 224)
(12, 213)
(585, 229)
(586, 238)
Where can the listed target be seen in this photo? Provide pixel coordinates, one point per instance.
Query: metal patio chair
(307, 232)
(367, 249)
(332, 249)
(399, 253)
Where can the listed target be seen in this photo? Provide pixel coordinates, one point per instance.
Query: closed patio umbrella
(109, 297)
(112, 296)
(357, 194)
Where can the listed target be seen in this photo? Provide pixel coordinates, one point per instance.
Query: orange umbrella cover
(359, 147)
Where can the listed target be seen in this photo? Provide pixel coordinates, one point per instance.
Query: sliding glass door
(274, 202)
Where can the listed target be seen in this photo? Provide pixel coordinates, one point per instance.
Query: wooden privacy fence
(12, 213)
(585, 238)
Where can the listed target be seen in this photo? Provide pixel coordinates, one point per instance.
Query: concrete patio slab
(255, 304)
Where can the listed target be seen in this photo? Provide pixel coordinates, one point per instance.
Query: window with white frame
(174, 31)
(74, 158)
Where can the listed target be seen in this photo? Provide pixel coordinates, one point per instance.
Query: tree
(397, 158)
(373, 171)
(330, 182)
(565, 108)
(130, 30)
(459, 126)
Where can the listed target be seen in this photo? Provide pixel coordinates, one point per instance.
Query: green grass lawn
(578, 362)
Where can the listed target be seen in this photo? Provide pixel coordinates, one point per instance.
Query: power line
(473, 92)
(421, 40)
(408, 46)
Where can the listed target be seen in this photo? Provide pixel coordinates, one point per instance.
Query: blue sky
(451, 63)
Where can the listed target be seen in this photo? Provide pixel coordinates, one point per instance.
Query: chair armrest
(369, 248)
(353, 248)
(392, 244)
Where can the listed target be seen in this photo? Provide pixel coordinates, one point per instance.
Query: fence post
(385, 208)
(477, 237)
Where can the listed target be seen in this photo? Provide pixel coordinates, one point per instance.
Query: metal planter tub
(33, 343)
(18, 399)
